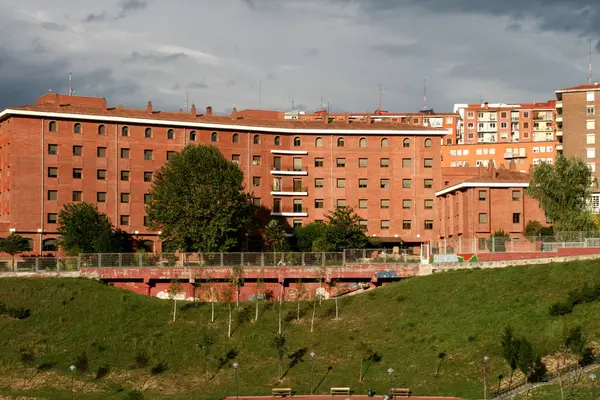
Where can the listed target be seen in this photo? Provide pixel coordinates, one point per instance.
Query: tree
(526, 358)
(532, 229)
(14, 244)
(367, 357)
(227, 297)
(197, 201)
(301, 294)
(237, 280)
(174, 290)
(308, 234)
(510, 351)
(274, 235)
(279, 345)
(497, 241)
(342, 231)
(207, 343)
(259, 293)
(564, 191)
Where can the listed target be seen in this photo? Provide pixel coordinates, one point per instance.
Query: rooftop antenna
(70, 84)
(293, 104)
(380, 97)
(590, 61)
(425, 94)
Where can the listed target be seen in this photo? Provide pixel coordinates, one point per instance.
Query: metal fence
(40, 264)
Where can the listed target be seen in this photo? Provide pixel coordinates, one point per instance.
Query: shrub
(561, 308)
(587, 357)
(159, 368)
(142, 359)
(538, 371)
(81, 362)
(102, 372)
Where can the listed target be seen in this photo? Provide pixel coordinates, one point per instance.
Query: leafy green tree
(564, 190)
(83, 229)
(307, 235)
(274, 235)
(343, 231)
(526, 357)
(510, 351)
(14, 244)
(532, 229)
(197, 201)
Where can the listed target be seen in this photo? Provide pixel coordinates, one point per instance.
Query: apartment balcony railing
(289, 152)
(282, 190)
(559, 104)
(275, 170)
(511, 155)
(290, 212)
(559, 118)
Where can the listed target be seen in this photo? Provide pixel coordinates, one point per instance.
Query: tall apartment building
(523, 133)
(69, 148)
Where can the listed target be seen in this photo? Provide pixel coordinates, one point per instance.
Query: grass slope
(408, 323)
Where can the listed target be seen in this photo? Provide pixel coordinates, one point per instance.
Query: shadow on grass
(323, 379)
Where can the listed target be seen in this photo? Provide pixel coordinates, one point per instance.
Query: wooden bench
(340, 390)
(281, 392)
(400, 392)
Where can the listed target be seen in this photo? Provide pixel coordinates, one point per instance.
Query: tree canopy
(197, 201)
(274, 235)
(14, 244)
(564, 191)
(308, 234)
(83, 229)
(342, 231)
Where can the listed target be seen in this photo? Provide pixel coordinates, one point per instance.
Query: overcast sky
(133, 51)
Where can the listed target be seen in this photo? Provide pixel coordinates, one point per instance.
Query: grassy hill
(408, 324)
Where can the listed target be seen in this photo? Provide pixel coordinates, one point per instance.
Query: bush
(102, 372)
(81, 362)
(538, 371)
(159, 368)
(587, 357)
(142, 359)
(561, 308)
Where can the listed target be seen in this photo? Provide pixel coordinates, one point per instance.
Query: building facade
(69, 148)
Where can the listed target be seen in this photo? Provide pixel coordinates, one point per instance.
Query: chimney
(347, 118)
(209, 110)
(491, 169)
(193, 110)
(369, 119)
(149, 107)
(325, 117)
(512, 166)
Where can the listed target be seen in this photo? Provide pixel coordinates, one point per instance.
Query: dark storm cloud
(155, 58)
(96, 17)
(128, 6)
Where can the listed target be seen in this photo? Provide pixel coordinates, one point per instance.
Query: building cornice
(465, 185)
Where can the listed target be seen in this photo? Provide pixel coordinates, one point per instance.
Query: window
(148, 132)
(101, 197)
(256, 181)
(148, 155)
(276, 141)
(124, 197)
(256, 201)
(193, 136)
(384, 162)
(362, 163)
(362, 183)
(384, 203)
(101, 130)
(297, 206)
(406, 143)
(341, 182)
(590, 152)
(214, 137)
(406, 183)
(385, 224)
(319, 142)
(52, 126)
(319, 182)
(503, 125)
(256, 139)
(124, 175)
(170, 155)
(406, 163)
(101, 152)
(428, 163)
(590, 110)
(503, 114)
(49, 245)
(406, 204)
(428, 204)
(589, 96)
(318, 162)
(125, 131)
(341, 203)
(428, 225)
(340, 142)
(235, 158)
(362, 142)
(52, 218)
(525, 115)
(255, 160)
(297, 142)
(428, 183)
(516, 195)
(125, 153)
(427, 142)
(384, 142)
(77, 173)
(125, 220)
(277, 163)
(363, 223)
(77, 127)
(340, 162)
(297, 164)
(319, 203)
(101, 174)
(363, 203)
(516, 218)
(407, 224)
(52, 194)
(384, 183)
(236, 138)
(147, 176)
(482, 195)
(590, 138)
(483, 218)
(591, 124)
(296, 223)
(52, 149)
(525, 125)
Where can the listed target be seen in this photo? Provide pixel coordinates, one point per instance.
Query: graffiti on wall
(453, 258)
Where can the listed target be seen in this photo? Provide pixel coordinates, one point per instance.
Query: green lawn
(408, 323)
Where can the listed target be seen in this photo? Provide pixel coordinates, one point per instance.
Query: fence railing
(40, 264)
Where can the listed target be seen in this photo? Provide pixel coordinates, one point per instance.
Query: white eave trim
(464, 185)
(279, 193)
(289, 214)
(290, 152)
(279, 172)
(217, 126)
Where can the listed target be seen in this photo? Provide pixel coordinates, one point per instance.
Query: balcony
(295, 212)
(279, 190)
(290, 152)
(559, 118)
(559, 132)
(559, 104)
(559, 147)
(510, 155)
(289, 171)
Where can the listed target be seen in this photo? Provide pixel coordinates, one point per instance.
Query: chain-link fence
(39, 264)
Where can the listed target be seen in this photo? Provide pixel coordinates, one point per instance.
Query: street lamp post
(485, 378)
(73, 368)
(593, 379)
(235, 367)
(312, 373)
(390, 371)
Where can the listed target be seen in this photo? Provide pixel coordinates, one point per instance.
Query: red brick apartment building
(71, 148)
(503, 133)
(476, 202)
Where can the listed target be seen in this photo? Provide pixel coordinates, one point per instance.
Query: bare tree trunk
(256, 314)
(298, 311)
(312, 321)
(337, 308)
(279, 316)
(174, 308)
(229, 330)
(212, 318)
(237, 296)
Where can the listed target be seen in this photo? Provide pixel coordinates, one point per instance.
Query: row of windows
(77, 195)
(483, 195)
(101, 152)
(339, 162)
(341, 183)
(483, 218)
(101, 174)
(52, 218)
(148, 133)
